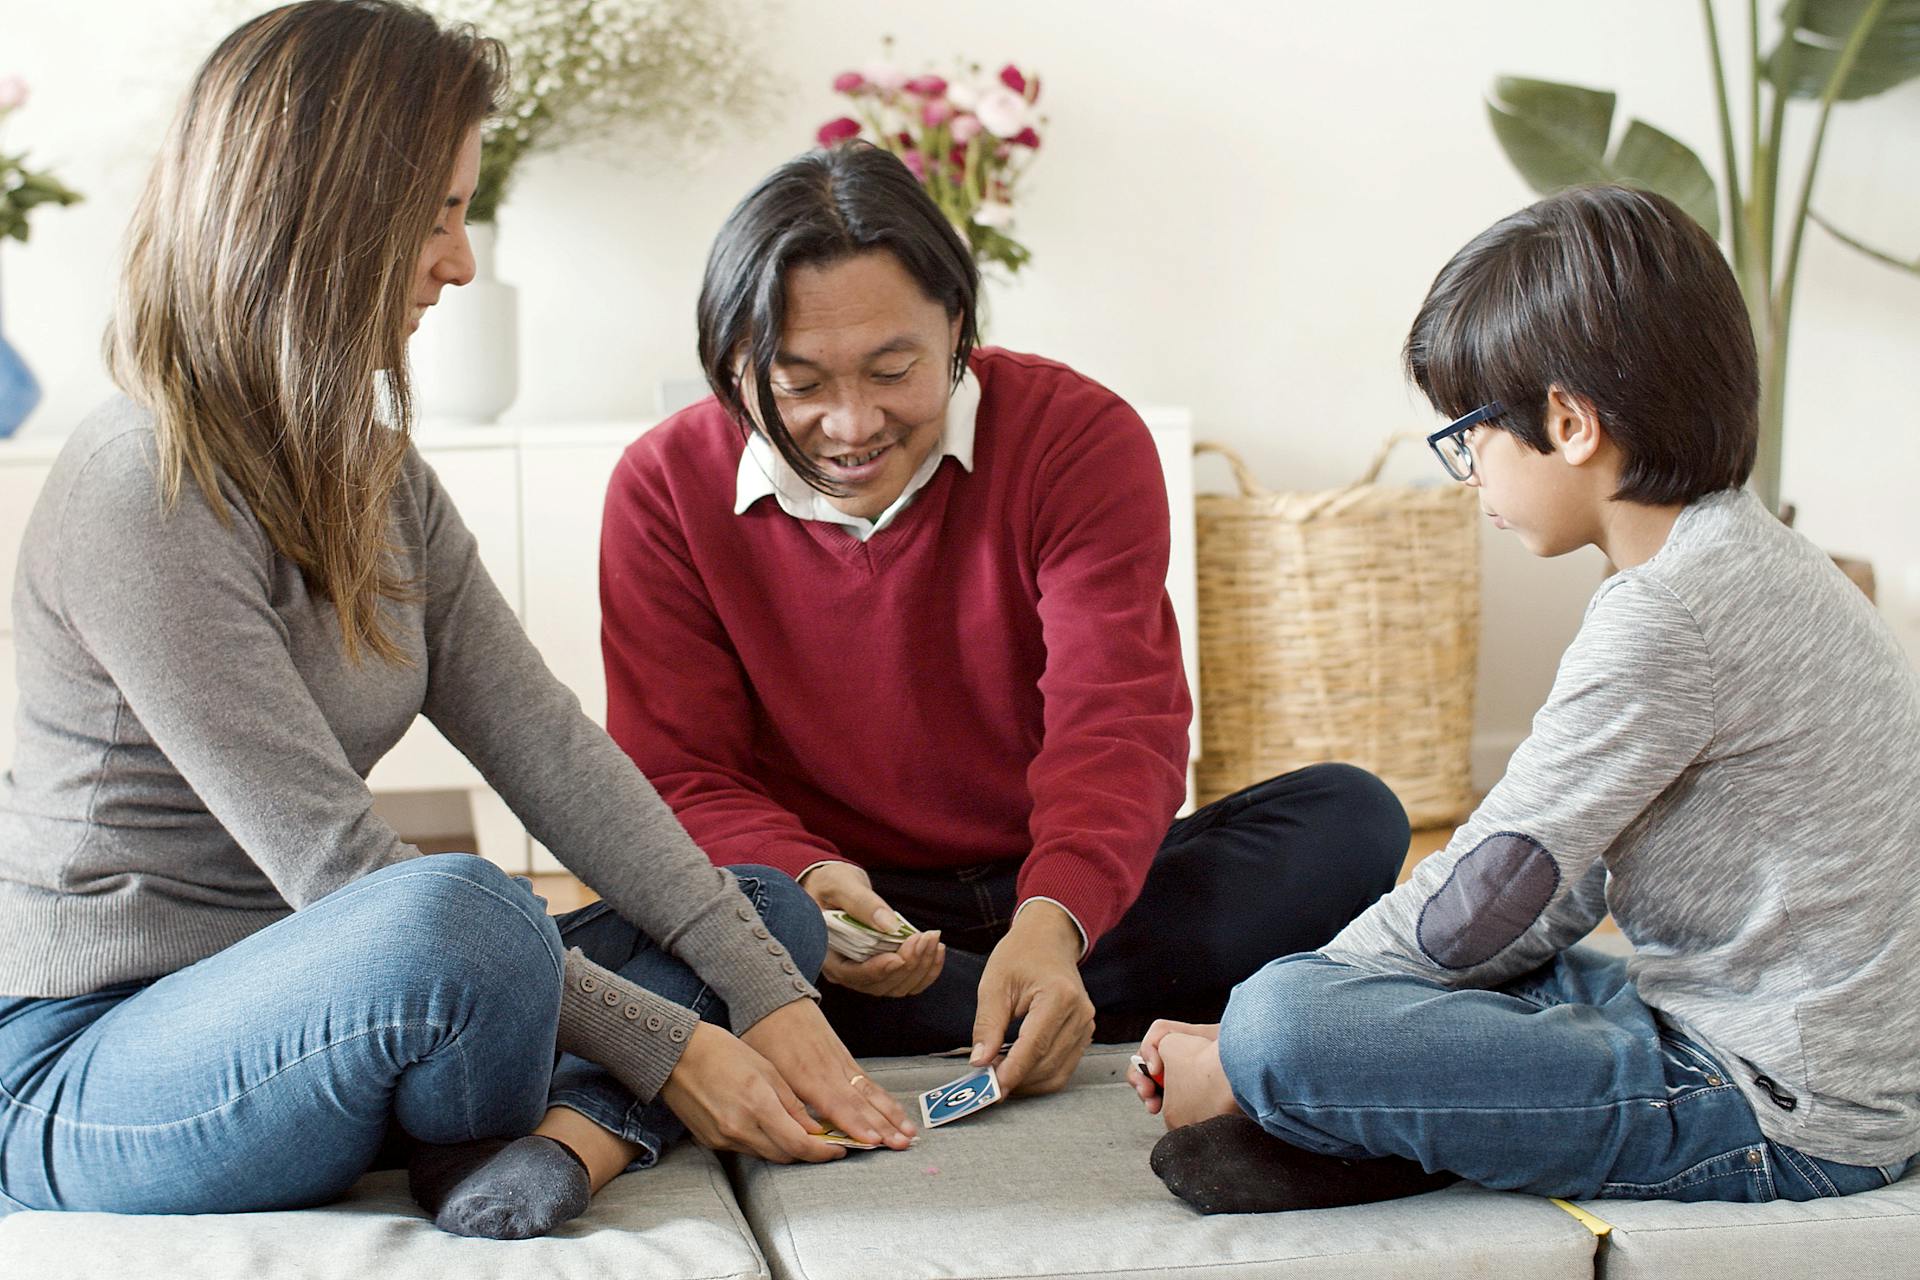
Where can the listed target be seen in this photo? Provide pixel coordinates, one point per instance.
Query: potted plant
(21, 191)
(1829, 51)
(584, 72)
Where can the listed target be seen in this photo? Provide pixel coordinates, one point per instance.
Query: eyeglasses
(1449, 443)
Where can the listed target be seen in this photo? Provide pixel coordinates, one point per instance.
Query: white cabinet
(533, 497)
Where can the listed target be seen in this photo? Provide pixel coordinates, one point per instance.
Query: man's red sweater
(995, 676)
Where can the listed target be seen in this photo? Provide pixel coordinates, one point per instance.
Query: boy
(1726, 761)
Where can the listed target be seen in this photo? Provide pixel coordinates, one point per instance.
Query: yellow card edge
(1598, 1226)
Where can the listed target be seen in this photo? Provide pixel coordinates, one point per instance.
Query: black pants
(1277, 868)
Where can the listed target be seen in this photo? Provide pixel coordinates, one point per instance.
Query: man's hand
(732, 1099)
(1034, 974)
(796, 1039)
(906, 972)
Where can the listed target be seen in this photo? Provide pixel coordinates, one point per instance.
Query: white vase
(466, 354)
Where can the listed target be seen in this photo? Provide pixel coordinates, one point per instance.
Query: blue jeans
(1563, 1082)
(1280, 866)
(426, 994)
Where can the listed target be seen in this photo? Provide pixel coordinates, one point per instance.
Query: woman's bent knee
(451, 909)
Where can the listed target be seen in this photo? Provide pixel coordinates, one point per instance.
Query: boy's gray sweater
(192, 746)
(1730, 762)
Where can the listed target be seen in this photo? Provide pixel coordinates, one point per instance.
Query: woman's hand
(732, 1099)
(797, 1041)
(1143, 1083)
(907, 972)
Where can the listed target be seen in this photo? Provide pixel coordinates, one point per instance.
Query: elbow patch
(1498, 889)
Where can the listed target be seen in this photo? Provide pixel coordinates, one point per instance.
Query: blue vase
(19, 390)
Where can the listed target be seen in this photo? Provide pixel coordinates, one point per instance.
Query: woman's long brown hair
(267, 293)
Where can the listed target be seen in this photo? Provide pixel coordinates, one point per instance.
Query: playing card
(857, 940)
(848, 1141)
(960, 1098)
(1141, 1063)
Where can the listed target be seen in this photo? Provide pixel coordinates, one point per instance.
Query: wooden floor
(564, 893)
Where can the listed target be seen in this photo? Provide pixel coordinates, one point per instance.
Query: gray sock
(500, 1190)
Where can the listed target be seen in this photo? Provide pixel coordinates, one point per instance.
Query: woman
(221, 975)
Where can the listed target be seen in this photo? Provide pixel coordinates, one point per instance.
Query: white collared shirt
(765, 474)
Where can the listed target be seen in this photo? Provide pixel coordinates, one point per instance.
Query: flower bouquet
(591, 70)
(967, 139)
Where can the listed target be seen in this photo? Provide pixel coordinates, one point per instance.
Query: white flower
(992, 213)
(964, 97)
(1003, 111)
(13, 92)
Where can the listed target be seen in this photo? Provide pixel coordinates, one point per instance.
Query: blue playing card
(960, 1097)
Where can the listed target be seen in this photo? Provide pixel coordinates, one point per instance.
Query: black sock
(499, 1189)
(1229, 1164)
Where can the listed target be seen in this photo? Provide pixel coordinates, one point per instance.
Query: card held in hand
(960, 1098)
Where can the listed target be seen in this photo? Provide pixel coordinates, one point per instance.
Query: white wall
(1238, 207)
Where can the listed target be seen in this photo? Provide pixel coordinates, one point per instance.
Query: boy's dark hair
(1620, 299)
(816, 209)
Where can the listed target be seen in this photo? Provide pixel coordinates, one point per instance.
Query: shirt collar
(763, 473)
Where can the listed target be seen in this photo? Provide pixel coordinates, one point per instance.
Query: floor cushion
(1873, 1233)
(1059, 1186)
(677, 1221)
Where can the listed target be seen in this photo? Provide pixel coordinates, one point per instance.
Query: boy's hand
(1144, 1083)
(1196, 1084)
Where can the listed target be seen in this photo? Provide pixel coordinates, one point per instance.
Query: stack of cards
(857, 940)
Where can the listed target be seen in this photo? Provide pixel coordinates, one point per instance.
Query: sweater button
(773, 948)
(589, 985)
(746, 913)
(760, 932)
(631, 1012)
(786, 966)
(678, 1035)
(799, 984)
(611, 999)
(655, 1022)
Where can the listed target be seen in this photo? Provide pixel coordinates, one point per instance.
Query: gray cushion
(1059, 1186)
(677, 1221)
(1874, 1233)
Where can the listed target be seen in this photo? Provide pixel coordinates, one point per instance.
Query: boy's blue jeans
(265, 1077)
(1560, 1083)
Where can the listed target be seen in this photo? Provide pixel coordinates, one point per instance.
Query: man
(889, 613)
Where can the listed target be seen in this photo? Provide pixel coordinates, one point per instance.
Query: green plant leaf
(1556, 135)
(1647, 157)
(1891, 55)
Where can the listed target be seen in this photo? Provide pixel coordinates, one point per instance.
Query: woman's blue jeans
(426, 994)
(1563, 1082)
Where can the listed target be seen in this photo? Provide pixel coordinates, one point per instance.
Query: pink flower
(965, 129)
(1010, 76)
(839, 130)
(926, 86)
(849, 82)
(916, 165)
(13, 92)
(1026, 138)
(1003, 112)
(884, 76)
(936, 112)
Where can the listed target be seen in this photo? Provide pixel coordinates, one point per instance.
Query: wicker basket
(1339, 626)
